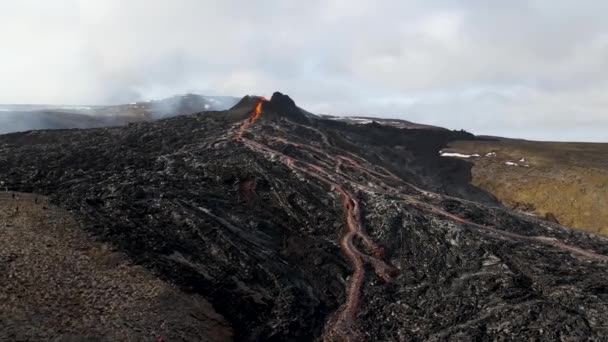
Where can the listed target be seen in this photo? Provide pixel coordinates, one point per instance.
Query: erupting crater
(257, 113)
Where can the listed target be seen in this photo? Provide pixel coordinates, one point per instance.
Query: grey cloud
(533, 69)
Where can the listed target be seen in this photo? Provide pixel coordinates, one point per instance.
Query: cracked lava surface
(342, 324)
(298, 227)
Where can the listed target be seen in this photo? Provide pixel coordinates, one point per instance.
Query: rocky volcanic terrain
(296, 227)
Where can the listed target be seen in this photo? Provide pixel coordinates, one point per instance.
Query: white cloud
(537, 69)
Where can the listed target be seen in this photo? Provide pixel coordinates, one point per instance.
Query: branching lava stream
(342, 324)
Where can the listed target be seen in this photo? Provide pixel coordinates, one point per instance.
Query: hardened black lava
(302, 228)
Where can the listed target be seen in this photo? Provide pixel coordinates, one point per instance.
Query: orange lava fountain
(258, 110)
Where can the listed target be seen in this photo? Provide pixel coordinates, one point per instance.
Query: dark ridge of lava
(242, 110)
(319, 230)
(246, 104)
(282, 106)
(278, 107)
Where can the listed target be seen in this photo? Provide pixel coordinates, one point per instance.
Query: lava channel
(342, 325)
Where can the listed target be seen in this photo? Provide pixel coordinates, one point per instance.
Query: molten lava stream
(342, 324)
(257, 113)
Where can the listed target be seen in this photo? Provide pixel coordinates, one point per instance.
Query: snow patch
(458, 155)
(361, 121)
(76, 107)
(491, 154)
(509, 163)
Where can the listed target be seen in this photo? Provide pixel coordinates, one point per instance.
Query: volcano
(300, 227)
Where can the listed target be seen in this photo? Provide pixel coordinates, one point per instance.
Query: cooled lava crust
(300, 228)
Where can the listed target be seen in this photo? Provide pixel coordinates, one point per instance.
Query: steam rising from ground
(17, 118)
(536, 69)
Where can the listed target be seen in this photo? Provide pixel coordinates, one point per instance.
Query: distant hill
(17, 118)
(362, 120)
(25, 117)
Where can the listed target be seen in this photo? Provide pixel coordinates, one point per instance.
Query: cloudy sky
(534, 69)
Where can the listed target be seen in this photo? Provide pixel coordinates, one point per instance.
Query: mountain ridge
(31, 117)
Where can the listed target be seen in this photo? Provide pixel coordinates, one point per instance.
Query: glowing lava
(258, 110)
(257, 113)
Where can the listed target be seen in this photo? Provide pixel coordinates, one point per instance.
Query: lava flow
(257, 113)
(338, 169)
(342, 324)
(258, 110)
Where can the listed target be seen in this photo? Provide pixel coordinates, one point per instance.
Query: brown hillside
(563, 181)
(58, 285)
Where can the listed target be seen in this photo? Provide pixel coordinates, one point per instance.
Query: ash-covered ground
(299, 228)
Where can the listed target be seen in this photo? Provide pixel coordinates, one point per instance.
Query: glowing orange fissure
(258, 110)
(257, 113)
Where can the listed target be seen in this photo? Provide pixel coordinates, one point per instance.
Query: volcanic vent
(279, 106)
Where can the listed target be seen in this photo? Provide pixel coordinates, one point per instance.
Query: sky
(530, 69)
